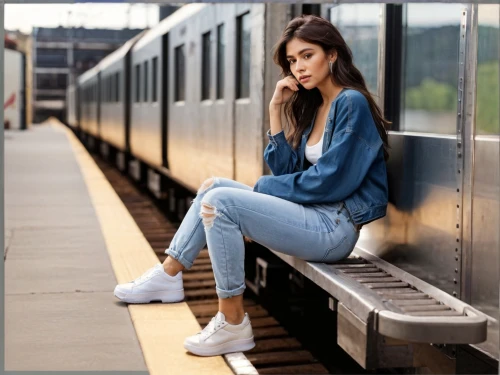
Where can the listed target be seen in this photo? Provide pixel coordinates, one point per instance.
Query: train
(188, 99)
(14, 90)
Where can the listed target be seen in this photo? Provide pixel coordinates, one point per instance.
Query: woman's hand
(284, 91)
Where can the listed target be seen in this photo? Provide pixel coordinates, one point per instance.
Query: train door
(164, 97)
(99, 97)
(249, 86)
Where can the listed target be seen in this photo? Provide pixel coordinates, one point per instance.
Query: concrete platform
(60, 313)
(69, 240)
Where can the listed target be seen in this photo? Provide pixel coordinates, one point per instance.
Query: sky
(116, 16)
(111, 16)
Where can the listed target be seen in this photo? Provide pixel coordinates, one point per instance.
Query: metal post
(2, 182)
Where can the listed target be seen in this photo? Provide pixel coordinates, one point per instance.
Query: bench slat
(349, 266)
(435, 313)
(414, 302)
(425, 308)
(397, 290)
(359, 270)
(403, 296)
(398, 284)
(376, 279)
(370, 274)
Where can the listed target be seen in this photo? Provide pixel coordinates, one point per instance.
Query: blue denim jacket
(351, 169)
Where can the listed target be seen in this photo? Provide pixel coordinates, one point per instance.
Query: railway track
(276, 351)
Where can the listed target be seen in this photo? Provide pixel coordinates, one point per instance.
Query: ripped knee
(208, 214)
(208, 183)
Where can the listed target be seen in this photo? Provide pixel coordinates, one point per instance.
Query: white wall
(12, 88)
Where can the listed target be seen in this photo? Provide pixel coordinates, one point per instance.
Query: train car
(71, 107)
(14, 90)
(166, 114)
(114, 94)
(90, 100)
(202, 79)
(216, 104)
(148, 100)
(443, 217)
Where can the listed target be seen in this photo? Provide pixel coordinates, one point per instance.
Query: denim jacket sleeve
(342, 168)
(279, 155)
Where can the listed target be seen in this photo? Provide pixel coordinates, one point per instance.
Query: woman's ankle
(172, 266)
(232, 308)
(235, 318)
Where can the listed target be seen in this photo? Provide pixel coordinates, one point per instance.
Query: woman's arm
(279, 155)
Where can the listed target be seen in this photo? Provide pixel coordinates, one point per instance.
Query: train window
(146, 77)
(51, 57)
(359, 25)
(179, 73)
(221, 46)
(109, 92)
(430, 67)
(137, 83)
(52, 81)
(103, 89)
(488, 71)
(117, 87)
(155, 77)
(243, 56)
(205, 67)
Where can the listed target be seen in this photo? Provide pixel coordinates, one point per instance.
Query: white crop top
(314, 152)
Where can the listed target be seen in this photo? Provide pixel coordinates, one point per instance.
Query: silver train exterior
(203, 132)
(89, 96)
(72, 107)
(437, 82)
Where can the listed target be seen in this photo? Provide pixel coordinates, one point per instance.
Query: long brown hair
(302, 106)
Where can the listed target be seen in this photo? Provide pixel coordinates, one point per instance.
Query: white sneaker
(220, 337)
(153, 285)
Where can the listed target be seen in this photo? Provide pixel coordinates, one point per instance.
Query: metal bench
(384, 312)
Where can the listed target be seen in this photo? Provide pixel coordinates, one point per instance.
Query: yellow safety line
(161, 328)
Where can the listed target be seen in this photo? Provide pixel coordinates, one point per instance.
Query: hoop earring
(331, 67)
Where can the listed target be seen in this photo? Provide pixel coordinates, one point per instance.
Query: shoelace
(213, 326)
(146, 276)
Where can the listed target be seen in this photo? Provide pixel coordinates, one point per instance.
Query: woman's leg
(190, 238)
(164, 282)
(309, 232)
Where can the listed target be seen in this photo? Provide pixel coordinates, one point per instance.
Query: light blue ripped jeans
(231, 210)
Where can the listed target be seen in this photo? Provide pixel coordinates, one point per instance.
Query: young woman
(329, 178)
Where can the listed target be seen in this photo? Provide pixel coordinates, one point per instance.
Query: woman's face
(308, 63)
